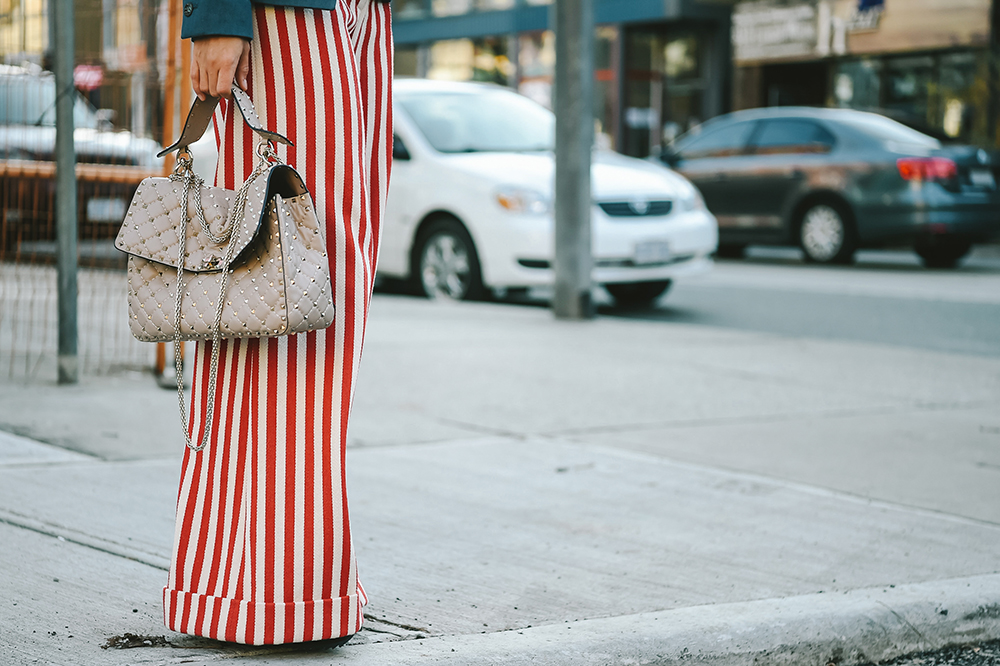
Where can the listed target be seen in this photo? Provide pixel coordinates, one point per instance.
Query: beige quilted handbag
(207, 263)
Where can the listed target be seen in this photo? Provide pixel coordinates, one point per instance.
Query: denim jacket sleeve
(234, 18)
(204, 18)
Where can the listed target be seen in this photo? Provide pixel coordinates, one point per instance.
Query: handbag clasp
(184, 164)
(268, 152)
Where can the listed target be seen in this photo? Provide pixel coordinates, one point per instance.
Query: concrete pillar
(573, 100)
(66, 204)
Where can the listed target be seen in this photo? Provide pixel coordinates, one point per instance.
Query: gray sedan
(835, 180)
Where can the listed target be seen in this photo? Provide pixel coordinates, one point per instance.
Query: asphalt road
(885, 298)
(984, 654)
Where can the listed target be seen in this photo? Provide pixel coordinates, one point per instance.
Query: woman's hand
(218, 62)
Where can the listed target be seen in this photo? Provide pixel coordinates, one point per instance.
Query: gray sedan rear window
(724, 141)
(792, 135)
(885, 129)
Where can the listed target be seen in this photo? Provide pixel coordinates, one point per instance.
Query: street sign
(88, 77)
(765, 29)
(866, 16)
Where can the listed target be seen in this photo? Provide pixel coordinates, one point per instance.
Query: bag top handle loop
(200, 116)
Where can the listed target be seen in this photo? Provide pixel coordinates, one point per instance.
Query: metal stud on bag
(270, 231)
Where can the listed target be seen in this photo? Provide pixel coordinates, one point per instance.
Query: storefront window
(681, 58)
(858, 84)
(907, 86)
(795, 84)
(453, 7)
(962, 96)
(406, 61)
(606, 86)
(451, 60)
(683, 87)
(410, 9)
(481, 59)
(941, 94)
(537, 59)
(664, 88)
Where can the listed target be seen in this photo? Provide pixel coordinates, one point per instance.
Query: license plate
(652, 252)
(983, 178)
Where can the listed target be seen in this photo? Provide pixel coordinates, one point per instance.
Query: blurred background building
(924, 62)
(119, 59)
(121, 79)
(661, 67)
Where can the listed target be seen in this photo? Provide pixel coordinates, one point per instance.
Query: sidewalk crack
(6, 519)
(902, 619)
(884, 410)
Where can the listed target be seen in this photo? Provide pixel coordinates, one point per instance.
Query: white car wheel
(447, 265)
(637, 295)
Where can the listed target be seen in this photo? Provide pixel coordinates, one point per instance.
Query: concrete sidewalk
(531, 491)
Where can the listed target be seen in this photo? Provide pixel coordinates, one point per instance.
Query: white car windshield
(31, 100)
(482, 121)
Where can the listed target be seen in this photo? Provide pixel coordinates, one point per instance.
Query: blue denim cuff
(206, 18)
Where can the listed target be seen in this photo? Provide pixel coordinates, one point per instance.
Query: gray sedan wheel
(943, 252)
(825, 236)
(447, 265)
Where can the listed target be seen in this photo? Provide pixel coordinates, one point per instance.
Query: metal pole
(993, 101)
(170, 84)
(66, 204)
(574, 24)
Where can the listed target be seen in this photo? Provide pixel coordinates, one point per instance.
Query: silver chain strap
(184, 173)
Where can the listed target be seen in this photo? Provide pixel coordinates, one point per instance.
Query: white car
(470, 201)
(28, 124)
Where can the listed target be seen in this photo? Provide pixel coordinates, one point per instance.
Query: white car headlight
(522, 201)
(691, 200)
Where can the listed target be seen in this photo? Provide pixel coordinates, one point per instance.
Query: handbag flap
(154, 216)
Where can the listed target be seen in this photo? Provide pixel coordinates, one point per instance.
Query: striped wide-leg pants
(262, 546)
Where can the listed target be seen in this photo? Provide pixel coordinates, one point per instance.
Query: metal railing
(28, 319)
(128, 94)
(28, 323)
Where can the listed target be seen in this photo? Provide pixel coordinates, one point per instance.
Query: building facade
(661, 66)
(927, 63)
(118, 56)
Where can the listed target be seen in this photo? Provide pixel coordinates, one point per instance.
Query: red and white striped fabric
(262, 547)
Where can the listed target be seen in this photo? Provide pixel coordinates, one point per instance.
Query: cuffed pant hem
(260, 623)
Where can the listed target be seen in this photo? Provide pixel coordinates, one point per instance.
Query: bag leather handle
(200, 116)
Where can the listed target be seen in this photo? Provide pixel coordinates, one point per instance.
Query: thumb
(243, 70)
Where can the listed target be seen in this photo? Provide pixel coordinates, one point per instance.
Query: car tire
(637, 295)
(942, 252)
(731, 251)
(445, 263)
(826, 235)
